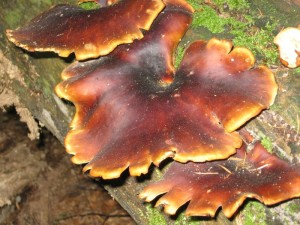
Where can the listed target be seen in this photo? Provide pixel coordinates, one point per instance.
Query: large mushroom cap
(88, 33)
(115, 108)
(208, 186)
(134, 109)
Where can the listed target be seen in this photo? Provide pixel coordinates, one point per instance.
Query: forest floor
(40, 186)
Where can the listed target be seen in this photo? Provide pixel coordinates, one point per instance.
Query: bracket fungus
(88, 33)
(288, 42)
(133, 108)
(226, 183)
(132, 105)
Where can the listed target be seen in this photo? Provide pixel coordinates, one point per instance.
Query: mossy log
(27, 80)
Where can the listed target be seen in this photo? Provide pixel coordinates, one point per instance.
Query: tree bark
(27, 80)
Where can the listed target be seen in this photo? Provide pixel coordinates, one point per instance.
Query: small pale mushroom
(288, 42)
(227, 183)
(88, 33)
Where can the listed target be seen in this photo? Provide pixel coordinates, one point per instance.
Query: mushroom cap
(134, 109)
(288, 42)
(88, 33)
(227, 183)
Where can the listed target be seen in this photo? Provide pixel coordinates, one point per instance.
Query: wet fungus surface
(133, 108)
(88, 33)
(226, 183)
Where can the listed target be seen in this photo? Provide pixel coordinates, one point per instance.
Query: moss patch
(293, 208)
(179, 55)
(89, 5)
(267, 143)
(233, 19)
(183, 220)
(154, 215)
(15, 16)
(296, 71)
(254, 213)
(233, 4)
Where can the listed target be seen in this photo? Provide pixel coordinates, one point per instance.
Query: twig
(207, 173)
(259, 168)
(224, 168)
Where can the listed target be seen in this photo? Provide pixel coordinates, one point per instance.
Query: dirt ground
(40, 186)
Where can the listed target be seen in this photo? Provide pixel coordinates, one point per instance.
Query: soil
(40, 186)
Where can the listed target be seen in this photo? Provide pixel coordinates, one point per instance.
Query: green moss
(254, 213)
(233, 4)
(183, 220)
(276, 107)
(233, 19)
(195, 4)
(293, 208)
(179, 55)
(296, 71)
(13, 17)
(47, 83)
(208, 18)
(154, 215)
(260, 42)
(266, 142)
(26, 10)
(89, 5)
